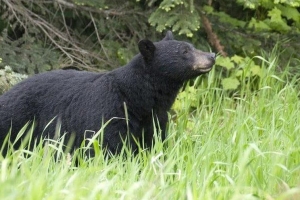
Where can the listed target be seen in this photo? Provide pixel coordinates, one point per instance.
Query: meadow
(243, 146)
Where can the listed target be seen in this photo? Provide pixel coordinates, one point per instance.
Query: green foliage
(238, 70)
(184, 23)
(124, 55)
(236, 73)
(189, 95)
(261, 26)
(171, 14)
(276, 21)
(27, 55)
(253, 4)
(230, 83)
(277, 16)
(8, 78)
(234, 77)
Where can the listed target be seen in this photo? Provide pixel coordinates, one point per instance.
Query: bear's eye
(185, 50)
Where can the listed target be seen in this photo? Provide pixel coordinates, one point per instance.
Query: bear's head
(175, 59)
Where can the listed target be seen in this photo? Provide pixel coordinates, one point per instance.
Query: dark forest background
(96, 35)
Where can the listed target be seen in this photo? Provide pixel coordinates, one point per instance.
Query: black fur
(82, 100)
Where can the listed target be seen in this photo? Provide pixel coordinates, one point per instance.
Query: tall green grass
(242, 147)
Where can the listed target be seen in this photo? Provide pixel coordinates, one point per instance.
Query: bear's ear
(147, 49)
(169, 36)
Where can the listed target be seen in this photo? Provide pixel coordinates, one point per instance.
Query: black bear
(135, 97)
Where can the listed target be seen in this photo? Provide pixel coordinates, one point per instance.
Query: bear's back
(44, 96)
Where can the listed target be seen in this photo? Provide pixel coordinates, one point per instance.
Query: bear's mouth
(206, 69)
(203, 69)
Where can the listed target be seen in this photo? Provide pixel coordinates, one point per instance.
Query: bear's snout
(203, 61)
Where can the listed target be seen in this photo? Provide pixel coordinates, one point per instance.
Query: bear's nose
(212, 56)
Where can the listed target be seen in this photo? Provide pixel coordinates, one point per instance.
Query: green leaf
(256, 70)
(249, 4)
(290, 12)
(225, 62)
(275, 14)
(230, 83)
(259, 25)
(239, 73)
(293, 3)
(188, 96)
(276, 21)
(237, 59)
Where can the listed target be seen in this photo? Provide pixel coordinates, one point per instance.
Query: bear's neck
(145, 91)
(165, 91)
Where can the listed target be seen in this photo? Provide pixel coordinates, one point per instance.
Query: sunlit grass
(241, 147)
